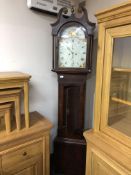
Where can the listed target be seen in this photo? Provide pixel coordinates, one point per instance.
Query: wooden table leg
(26, 104)
(7, 121)
(17, 112)
(47, 154)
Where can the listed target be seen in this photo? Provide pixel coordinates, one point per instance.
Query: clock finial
(78, 5)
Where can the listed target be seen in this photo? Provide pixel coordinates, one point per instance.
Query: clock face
(73, 48)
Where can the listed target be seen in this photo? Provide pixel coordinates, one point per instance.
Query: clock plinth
(69, 156)
(72, 51)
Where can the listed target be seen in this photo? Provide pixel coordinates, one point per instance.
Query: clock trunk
(69, 143)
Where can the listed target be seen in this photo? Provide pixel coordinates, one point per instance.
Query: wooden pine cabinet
(33, 166)
(109, 143)
(26, 152)
(99, 163)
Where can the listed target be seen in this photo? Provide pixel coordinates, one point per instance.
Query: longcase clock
(72, 52)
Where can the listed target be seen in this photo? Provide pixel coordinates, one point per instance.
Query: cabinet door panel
(102, 168)
(18, 155)
(116, 85)
(33, 166)
(27, 171)
(100, 164)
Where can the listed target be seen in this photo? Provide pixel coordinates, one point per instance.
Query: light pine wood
(110, 149)
(103, 165)
(121, 31)
(47, 142)
(121, 101)
(106, 78)
(25, 152)
(109, 143)
(7, 121)
(7, 76)
(26, 103)
(28, 171)
(12, 96)
(31, 166)
(100, 60)
(10, 80)
(20, 154)
(44, 157)
(114, 13)
(17, 112)
(5, 111)
(122, 70)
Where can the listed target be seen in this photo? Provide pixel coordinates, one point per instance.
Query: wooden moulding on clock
(72, 71)
(59, 26)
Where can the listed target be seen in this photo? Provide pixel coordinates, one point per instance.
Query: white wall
(94, 6)
(26, 45)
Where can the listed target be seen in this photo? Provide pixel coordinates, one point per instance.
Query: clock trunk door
(71, 108)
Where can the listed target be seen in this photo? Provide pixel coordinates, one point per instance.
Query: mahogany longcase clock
(72, 52)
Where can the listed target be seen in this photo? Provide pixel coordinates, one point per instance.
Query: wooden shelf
(121, 123)
(121, 101)
(122, 70)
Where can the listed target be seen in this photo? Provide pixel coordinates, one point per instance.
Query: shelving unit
(121, 101)
(13, 85)
(116, 69)
(109, 143)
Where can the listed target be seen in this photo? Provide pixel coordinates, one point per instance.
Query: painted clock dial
(73, 48)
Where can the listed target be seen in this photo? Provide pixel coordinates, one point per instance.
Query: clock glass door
(73, 48)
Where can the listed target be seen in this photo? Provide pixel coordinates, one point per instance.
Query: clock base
(69, 156)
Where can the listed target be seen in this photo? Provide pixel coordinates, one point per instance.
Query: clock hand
(72, 52)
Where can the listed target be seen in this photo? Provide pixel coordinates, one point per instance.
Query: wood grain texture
(8, 121)
(26, 104)
(12, 96)
(26, 151)
(109, 143)
(9, 80)
(99, 74)
(5, 111)
(121, 101)
(5, 76)
(119, 153)
(116, 12)
(69, 141)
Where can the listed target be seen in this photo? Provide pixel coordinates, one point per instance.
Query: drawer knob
(24, 153)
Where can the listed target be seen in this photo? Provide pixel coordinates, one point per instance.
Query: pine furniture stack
(11, 86)
(24, 140)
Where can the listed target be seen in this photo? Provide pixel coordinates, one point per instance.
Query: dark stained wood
(61, 24)
(71, 105)
(69, 156)
(69, 145)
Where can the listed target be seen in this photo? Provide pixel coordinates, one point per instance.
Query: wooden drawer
(20, 154)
